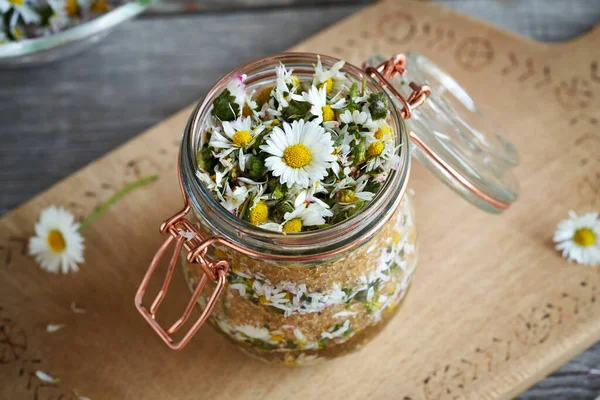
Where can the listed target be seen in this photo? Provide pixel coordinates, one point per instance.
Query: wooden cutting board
(493, 307)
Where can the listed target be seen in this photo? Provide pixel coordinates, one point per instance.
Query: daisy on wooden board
(578, 238)
(57, 245)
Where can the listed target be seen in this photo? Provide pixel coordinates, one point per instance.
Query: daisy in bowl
(233, 198)
(324, 113)
(578, 238)
(20, 8)
(352, 191)
(57, 245)
(300, 153)
(295, 144)
(238, 135)
(312, 214)
(359, 119)
(330, 79)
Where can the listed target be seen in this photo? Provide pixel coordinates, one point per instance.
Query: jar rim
(311, 245)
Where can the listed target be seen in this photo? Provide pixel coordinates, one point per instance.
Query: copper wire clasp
(390, 69)
(185, 235)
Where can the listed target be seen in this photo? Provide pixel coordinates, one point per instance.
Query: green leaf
(224, 106)
(256, 167)
(205, 160)
(359, 153)
(295, 110)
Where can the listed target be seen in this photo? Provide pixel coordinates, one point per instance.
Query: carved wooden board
(493, 307)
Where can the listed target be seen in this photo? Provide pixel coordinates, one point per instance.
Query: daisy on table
(330, 79)
(57, 245)
(578, 238)
(21, 9)
(301, 153)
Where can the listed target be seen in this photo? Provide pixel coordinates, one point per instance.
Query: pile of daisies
(297, 155)
(26, 19)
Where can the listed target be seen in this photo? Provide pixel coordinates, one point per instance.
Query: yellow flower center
(246, 111)
(71, 7)
(56, 241)
(277, 338)
(292, 226)
(262, 300)
(328, 84)
(584, 237)
(259, 214)
(242, 138)
(275, 122)
(99, 6)
(328, 113)
(297, 156)
(295, 81)
(383, 133)
(347, 196)
(264, 95)
(16, 2)
(375, 149)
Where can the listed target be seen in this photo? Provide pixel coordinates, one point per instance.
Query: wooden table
(60, 117)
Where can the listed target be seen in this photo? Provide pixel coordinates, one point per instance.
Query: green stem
(116, 197)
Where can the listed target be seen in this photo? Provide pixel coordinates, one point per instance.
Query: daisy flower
(57, 246)
(361, 119)
(382, 155)
(21, 9)
(329, 79)
(578, 238)
(60, 16)
(305, 215)
(233, 199)
(319, 108)
(308, 195)
(380, 130)
(286, 84)
(300, 153)
(236, 134)
(349, 191)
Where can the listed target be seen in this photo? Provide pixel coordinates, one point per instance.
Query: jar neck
(318, 244)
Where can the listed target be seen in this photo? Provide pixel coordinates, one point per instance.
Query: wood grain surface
(521, 312)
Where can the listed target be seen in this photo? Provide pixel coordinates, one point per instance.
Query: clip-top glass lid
(452, 139)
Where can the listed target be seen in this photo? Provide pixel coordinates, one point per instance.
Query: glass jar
(304, 297)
